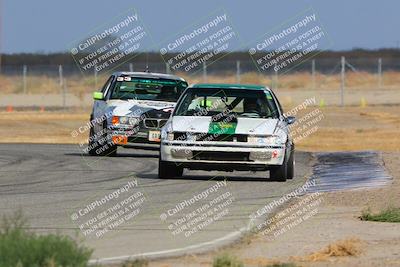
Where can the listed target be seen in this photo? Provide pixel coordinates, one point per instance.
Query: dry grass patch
(264, 262)
(341, 248)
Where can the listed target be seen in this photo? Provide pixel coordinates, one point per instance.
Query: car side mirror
(98, 96)
(290, 119)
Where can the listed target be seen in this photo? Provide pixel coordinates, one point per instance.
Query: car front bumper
(190, 154)
(124, 136)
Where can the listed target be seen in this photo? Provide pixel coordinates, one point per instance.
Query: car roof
(144, 74)
(229, 86)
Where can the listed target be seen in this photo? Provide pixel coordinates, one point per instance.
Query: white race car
(131, 108)
(227, 127)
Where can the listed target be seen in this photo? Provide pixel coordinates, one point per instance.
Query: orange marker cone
(363, 102)
(10, 109)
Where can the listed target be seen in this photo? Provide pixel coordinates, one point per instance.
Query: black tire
(279, 173)
(290, 166)
(93, 145)
(98, 149)
(110, 148)
(168, 170)
(112, 151)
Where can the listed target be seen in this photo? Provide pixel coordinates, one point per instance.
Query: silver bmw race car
(131, 108)
(227, 127)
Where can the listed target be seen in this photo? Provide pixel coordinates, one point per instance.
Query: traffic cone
(9, 109)
(363, 102)
(322, 103)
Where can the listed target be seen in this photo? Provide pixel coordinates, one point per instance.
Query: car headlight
(133, 120)
(166, 132)
(265, 140)
(170, 136)
(126, 120)
(190, 137)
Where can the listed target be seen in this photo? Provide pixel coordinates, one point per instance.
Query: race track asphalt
(53, 185)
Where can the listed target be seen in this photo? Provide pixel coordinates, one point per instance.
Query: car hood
(159, 109)
(202, 124)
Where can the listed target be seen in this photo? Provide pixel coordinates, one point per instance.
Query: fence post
(95, 78)
(238, 71)
(342, 80)
(275, 87)
(167, 68)
(204, 72)
(64, 94)
(379, 73)
(60, 75)
(313, 74)
(24, 72)
(130, 67)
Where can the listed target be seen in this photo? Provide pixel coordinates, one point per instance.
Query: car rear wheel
(168, 170)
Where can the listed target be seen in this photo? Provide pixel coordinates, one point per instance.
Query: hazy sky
(51, 26)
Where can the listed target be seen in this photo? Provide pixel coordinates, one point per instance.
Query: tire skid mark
(336, 171)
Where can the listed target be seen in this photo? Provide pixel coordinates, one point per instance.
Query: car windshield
(241, 102)
(147, 89)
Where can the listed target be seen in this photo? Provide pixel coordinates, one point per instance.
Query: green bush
(20, 247)
(387, 215)
(226, 260)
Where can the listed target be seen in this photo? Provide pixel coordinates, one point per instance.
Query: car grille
(212, 138)
(154, 123)
(221, 156)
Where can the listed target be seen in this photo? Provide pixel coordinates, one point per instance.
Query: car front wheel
(93, 145)
(290, 166)
(104, 148)
(168, 170)
(279, 173)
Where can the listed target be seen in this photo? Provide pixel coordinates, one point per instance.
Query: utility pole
(342, 77)
(130, 67)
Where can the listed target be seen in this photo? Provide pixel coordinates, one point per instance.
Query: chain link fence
(334, 81)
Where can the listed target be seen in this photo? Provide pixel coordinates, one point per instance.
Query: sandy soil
(369, 128)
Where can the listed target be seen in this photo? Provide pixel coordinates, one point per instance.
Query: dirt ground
(336, 224)
(349, 128)
(339, 129)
